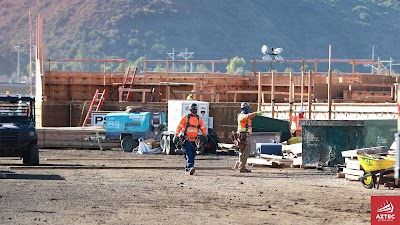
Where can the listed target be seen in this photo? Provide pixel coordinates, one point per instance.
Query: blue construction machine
(129, 127)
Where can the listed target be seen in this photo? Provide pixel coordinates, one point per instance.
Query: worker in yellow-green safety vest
(244, 130)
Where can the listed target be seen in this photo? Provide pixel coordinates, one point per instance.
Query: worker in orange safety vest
(188, 129)
(295, 127)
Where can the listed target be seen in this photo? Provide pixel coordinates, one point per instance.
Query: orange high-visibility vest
(192, 126)
(295, 126)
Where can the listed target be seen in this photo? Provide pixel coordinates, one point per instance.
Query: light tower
(271, 54)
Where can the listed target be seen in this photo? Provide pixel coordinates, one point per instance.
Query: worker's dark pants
(190, 151)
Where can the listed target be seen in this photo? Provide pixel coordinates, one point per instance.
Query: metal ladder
(96, 104)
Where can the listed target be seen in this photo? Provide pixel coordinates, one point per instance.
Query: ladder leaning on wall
(96, 104)
(128, 85)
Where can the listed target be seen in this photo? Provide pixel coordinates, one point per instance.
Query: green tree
(288, 69)
(139, 63)
(236, 66)
(202, 69)
(306, 69)
(336, 71)
(159, 68)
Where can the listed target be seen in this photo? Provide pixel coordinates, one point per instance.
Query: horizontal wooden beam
(87, 60)
(349, 61)
(187, 61)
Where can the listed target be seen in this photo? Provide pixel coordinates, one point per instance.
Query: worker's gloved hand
(259, 113)
(176, 139)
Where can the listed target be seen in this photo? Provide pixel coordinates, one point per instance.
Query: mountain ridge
(224, 29)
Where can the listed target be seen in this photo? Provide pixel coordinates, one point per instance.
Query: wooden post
(302, 89)
(212, 81)
(201, 90)
(290, 96)
(226, 90)
(379, 67)
(168, 87)
(259, 92)
(329, 94)
(273, 94)
(309, 94)
(329, 85)
(168, 93)
(104, 75)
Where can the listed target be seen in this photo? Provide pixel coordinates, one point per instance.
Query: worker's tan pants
(244, 153)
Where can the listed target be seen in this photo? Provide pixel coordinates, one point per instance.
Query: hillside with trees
(225, 29)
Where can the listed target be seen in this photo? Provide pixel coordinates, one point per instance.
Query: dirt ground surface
(113, 187)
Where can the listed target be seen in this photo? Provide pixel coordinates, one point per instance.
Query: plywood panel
(55, 116)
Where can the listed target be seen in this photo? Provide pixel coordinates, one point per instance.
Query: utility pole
(186, 55)
(171, 55)
(16, 48)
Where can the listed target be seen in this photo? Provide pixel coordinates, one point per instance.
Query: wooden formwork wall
(62, 89)
(81, 86)
(70, 114)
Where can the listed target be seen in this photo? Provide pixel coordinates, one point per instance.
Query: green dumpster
(324, 140)
(268, 124)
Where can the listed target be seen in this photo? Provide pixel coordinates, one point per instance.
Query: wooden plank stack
(72, 137)
(353, 169)
(274, 161)
(291, 158)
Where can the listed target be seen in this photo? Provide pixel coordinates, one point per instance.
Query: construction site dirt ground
(113, 187)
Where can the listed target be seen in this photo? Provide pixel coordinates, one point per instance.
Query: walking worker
(244, 130)
(188, 128)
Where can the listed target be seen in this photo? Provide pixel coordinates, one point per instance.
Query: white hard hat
(244, 105)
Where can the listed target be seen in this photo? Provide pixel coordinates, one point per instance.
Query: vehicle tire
(213, 144)
(169, 149)
(163, 143)
(200, 151)
(128, 144)
(32, 156)
(368, 180)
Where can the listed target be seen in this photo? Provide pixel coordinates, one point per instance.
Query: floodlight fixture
(264, 49)
(271, 54)
(277, 51)
(267, 57)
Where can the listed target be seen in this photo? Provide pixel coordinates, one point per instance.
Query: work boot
(191, 171)
(245, 171)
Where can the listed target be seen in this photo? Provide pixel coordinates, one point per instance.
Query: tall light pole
(16, 48)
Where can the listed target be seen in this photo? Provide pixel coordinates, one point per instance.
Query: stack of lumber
(392, 149)
(353, 169)
(294, 152)
(72, 137)
(270, 161)
(291, 157)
